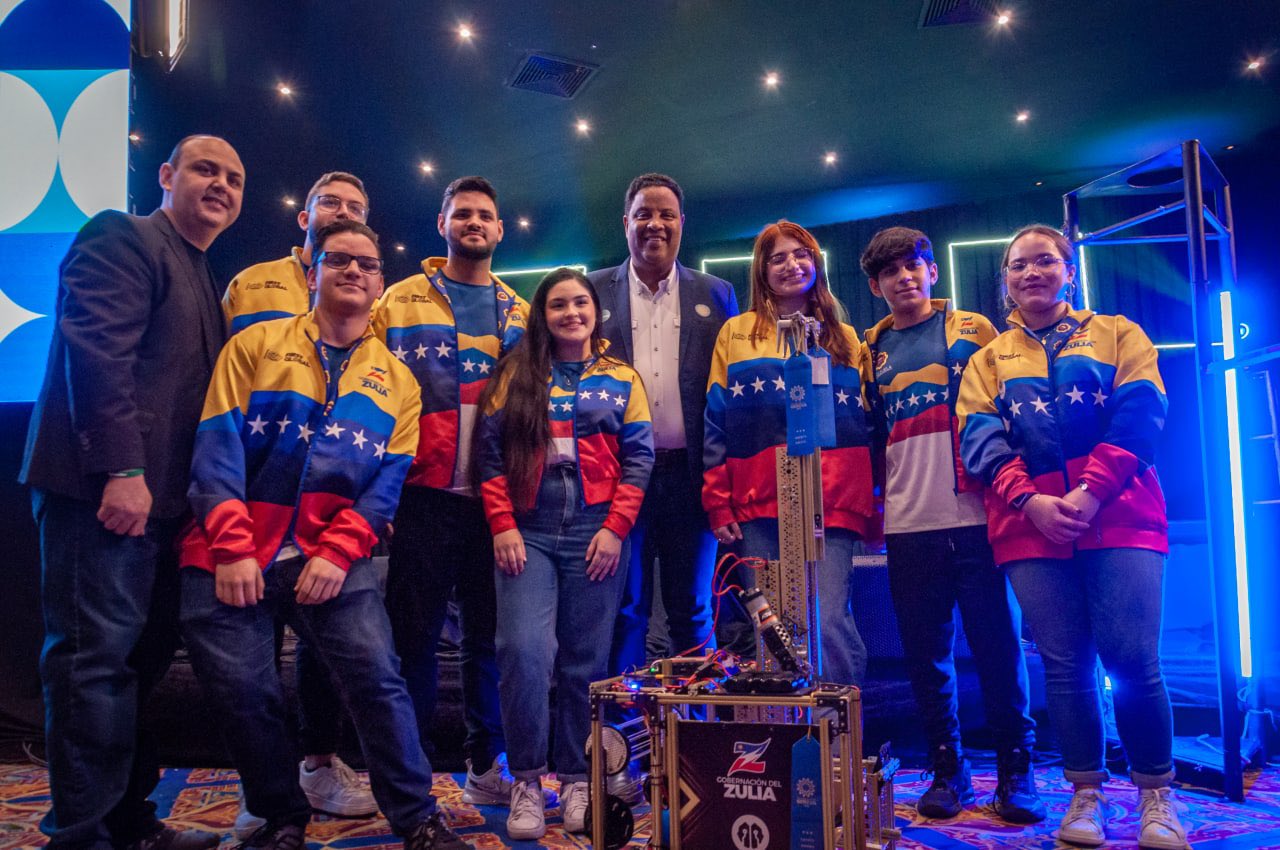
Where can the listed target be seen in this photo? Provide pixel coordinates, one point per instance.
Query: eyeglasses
(1043, 264)
(339, 260)
(800, 255)
(332, 203)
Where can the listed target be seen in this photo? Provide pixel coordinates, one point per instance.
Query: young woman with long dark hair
(563, 452)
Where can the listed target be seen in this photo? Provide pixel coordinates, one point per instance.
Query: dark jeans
(672, 530)
(1103, 603)
(930, 572)
(320, 712)
(555, 624)
(110, 616)
(233, 652)
(442, 542)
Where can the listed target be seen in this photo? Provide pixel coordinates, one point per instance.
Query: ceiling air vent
(945, 13)
(555, 75)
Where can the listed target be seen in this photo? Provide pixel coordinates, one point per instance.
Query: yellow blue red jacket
(415, 319)
(895, 417)
(272, 290)
(746, 420)
(276, 456)
(605, 420)
(1085, 406)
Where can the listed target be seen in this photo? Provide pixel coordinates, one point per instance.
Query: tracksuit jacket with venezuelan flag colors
(605, 423)
(272, 290)
(415, 319)
(915, 407)
(274, 456)
(747, 419)
(1086, 406)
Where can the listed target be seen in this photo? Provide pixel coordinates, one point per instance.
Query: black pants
(930, 572)
(442, 543)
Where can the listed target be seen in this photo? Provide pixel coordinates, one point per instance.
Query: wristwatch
(1084, 487)
(1020, 502)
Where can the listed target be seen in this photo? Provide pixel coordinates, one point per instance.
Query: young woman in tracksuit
(564, 449)
(746, 421)
(1059, 416)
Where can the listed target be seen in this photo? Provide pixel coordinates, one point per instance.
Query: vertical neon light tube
(1237, 488)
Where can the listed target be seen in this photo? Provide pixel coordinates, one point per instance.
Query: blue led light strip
(1237, 489)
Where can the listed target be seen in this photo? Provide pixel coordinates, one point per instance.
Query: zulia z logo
(750, 757)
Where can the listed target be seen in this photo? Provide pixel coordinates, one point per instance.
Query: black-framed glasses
(339, 260)
(332, 203)
(1042, 263)
(800, 255)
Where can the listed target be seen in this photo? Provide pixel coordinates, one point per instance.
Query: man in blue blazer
(663, 318)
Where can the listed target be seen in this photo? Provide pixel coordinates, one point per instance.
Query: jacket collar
(941, 305)
(1080, 317)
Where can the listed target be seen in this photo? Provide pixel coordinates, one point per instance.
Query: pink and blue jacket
(1085, 406)
(605, 422)
(279, 458)
(746, 420)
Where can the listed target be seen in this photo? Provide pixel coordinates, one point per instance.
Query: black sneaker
(1016, 799)
(433, 834)
(952, 786)
(168, 838)
(275, 836)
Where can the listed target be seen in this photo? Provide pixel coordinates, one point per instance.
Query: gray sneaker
(247, 823)
(337, 790)
(494, 786)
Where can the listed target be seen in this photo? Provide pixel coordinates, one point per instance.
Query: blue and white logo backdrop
(64, 156)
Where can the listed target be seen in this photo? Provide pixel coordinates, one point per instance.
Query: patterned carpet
(208, 799)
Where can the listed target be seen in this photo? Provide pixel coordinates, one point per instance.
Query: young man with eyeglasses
(449, 324)
(936, 529)
(308, 430)
(278, 289)
(274, 290)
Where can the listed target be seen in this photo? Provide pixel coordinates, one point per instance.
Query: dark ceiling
(916, 116)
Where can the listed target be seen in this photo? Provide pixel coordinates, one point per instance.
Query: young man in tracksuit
(308, 429)
(936, 529)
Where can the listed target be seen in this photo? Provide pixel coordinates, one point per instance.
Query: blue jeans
(553, 621)
(930, 573)
(1103, 603)
(442, 545)
(671, 531)
(232, 650)
(844, 655)
(110, 616)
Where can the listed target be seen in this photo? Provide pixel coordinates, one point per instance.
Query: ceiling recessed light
(1022, 117)
(426, 167)
(1230, 147)
(583, 126)
(290, 203)
(1039, 182)
(829, 158)
(1254, 65)
(771, 80)
(523, 222)
(284, 89)
(464, 32)
(1003, 19)
(135, 138)
(399, 247)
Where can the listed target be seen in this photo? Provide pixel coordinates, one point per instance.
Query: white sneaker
(337, 790)
(1159, 826)
(494, 786)
(247, 823)
(574, 799)
(1085, 823)
(527, 819)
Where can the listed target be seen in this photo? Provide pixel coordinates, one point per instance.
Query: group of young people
(504, 449)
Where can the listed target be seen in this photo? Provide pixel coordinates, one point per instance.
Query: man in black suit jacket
(663, 319)
(137, 331)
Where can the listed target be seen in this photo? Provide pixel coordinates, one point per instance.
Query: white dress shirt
(655, 339)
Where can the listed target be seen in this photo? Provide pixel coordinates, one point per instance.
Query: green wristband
(127, 473)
